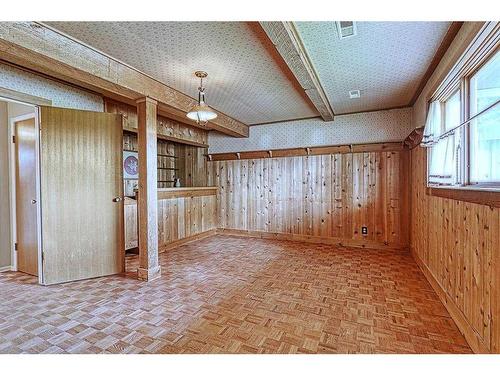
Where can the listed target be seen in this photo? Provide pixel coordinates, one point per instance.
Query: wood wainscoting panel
(185, 217)
(180, 219)
(322, 196)
(458, 244)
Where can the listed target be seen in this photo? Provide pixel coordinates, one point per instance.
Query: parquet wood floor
(236, 295)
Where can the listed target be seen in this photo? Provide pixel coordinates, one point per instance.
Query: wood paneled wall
(185, 217)
(457, 245)
(192, 165)
(178, 219)
(175, 160)
(324, 198)
(186, 145)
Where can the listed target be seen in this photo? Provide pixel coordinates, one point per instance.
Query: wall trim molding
(468, 193)
(414, 138)
(438, 56)
(186, 240)
(308, 151)
(6, 268)
(471, 336)
(339, 242)
(18, 96)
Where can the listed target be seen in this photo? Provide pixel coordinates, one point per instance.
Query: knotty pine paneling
(458, 244)
(181, 218)
(192, 165)
(323, 197)
(178, 219)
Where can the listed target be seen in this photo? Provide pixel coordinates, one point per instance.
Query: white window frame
(480, 51)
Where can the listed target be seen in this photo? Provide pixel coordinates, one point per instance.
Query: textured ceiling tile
(244, 80)
(385, 61)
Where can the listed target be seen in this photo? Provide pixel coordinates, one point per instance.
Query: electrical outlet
(364, 230)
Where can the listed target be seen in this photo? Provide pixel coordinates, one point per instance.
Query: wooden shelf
(160, 155)
(186, 192)
(168, 156)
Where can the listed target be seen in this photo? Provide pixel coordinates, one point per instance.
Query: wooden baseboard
(183, 241)
(341, 242)
(5, 268)
(471, 336)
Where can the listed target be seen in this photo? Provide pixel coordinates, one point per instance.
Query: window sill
(480, 195)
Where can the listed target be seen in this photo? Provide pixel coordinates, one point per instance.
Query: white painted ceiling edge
(369, 127)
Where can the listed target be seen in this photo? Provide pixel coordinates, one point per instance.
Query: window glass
(485, 86)
(485, 147)
(452, 111)
(485, 129)
(443, 166)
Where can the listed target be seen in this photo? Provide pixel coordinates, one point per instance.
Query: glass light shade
(201, 113)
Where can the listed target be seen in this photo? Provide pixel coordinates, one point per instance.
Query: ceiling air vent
(354, 94)
(346, 29)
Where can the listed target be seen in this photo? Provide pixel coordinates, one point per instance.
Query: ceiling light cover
(201, 112)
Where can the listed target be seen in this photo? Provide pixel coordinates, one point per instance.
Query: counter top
(179, 192)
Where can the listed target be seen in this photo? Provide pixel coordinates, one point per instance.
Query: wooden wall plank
(457, 244)
(315, 197)
(179, 219)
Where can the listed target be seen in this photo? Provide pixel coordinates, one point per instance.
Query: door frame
(12, 185)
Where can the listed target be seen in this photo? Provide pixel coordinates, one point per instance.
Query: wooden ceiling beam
(36, 47)
(286, 39)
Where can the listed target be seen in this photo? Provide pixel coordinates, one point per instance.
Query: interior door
(82, 194)
(26, 204)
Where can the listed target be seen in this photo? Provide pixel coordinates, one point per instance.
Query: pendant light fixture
(201, 112)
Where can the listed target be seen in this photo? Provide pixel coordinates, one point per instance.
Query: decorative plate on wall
(130, 165)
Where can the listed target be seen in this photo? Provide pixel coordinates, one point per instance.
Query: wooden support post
(147, 205)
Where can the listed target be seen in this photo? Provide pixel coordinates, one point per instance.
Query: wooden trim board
(186, 240)
(308, 151)
(22, 97)
(467, 194)
(186, 192)
(280, 237)
(414, 138)
(438, 56)
(473, 339)
(167, 138)
(340, 242)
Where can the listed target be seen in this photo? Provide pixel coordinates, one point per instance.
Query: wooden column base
(149, 274)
